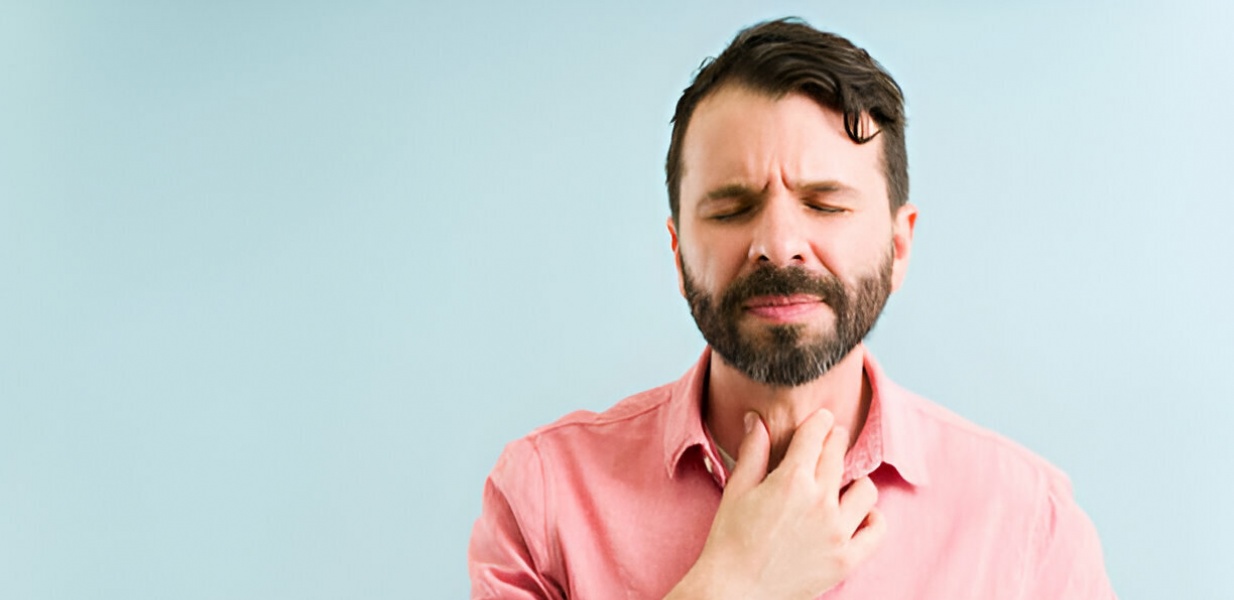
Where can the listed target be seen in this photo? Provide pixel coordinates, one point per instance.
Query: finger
(829, 469)
(868, 538)
(808, 439)
(856, 503)
(751, 467)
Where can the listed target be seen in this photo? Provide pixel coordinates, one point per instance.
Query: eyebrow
(733, 190)
(741, 191)
(826, 186)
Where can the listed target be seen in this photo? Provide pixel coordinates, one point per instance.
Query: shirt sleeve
(1067, 560)
(506, 557)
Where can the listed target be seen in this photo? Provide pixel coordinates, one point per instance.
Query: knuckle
(799, 482)
(862, 493)
(845, 561)
(880, 532)
(869, 491)
(880, 527)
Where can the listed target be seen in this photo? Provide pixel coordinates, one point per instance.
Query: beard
(788, 355)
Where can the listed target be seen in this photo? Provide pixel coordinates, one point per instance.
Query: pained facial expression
(786, 354)
(786, 246)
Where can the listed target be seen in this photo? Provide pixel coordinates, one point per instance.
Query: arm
(505, 558)
(1066, 552)
(792, 533)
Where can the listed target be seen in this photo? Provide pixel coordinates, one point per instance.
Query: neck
(843, 390)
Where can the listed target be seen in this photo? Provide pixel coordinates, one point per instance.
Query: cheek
(712, 263)
(853, 251)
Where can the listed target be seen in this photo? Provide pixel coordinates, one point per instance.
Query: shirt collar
(891, 434)
(683, 422)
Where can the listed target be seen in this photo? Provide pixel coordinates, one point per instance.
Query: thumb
(751, 467)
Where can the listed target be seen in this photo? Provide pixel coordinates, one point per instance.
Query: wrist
(705, 582)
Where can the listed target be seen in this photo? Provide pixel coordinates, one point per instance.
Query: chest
(637, 541)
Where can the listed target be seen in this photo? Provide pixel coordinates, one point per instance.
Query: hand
(790, 533)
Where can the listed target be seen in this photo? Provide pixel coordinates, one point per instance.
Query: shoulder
(957, 437)
(632, 413)
(630, 424)
(997, 480)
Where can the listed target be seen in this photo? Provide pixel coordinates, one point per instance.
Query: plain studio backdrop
(278, 281)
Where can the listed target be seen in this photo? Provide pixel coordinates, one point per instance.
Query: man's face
(786, 248)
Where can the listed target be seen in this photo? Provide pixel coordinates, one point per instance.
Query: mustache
(783, 281)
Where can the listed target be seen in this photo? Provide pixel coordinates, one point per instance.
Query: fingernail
(751, 418)
(828, 415)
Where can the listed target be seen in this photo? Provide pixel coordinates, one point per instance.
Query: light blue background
(279, 280)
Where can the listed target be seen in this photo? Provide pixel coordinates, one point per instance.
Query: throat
(727, 396)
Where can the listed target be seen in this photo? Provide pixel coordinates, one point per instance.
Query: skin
(778, 181)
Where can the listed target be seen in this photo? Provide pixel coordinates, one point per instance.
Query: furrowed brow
(822, 187)
(733, 191)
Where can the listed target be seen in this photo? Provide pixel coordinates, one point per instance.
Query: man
(785, 464)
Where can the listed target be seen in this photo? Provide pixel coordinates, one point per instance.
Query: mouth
(782, 309)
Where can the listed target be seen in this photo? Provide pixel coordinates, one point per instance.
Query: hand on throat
(844, 390)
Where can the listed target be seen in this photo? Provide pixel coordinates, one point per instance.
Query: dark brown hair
(788, 56)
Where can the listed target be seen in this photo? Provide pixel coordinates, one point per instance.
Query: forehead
(740, 136)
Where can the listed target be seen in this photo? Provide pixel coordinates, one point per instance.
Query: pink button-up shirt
(618, 505)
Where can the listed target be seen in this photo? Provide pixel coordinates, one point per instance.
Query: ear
(902, 241)
(672, 235)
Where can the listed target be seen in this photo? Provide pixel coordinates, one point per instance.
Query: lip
(783, 309)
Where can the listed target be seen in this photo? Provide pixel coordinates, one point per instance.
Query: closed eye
(731, 210)
(730, 215)
(823, 208)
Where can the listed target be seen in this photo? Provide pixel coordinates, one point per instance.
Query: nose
(779, 236)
